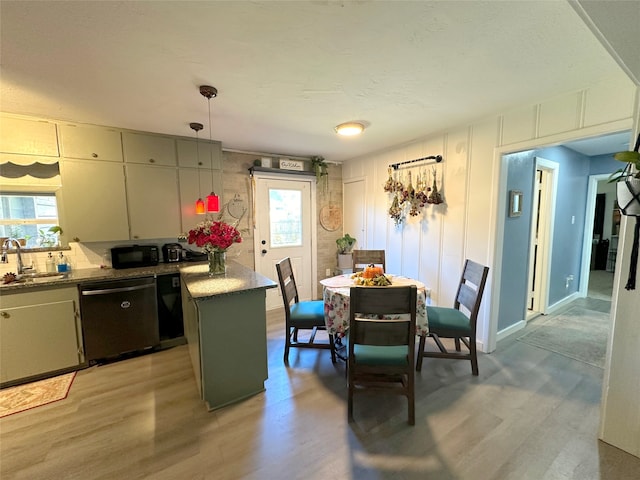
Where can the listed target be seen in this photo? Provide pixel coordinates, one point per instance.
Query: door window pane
(285, 214)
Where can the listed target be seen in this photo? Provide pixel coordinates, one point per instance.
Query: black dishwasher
(118, 317)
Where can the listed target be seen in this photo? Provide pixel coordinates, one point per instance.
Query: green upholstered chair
(362, 258)
(381, 351)
(305, 315)
(456, 323)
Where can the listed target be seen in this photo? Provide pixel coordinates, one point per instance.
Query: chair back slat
(387, 333)
(287, 282)
(473, 272)
(380, 300)
(290, 293)
(391, 301)
(362, 258)
(467, 297)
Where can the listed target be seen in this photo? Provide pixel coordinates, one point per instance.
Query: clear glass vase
(217, 263)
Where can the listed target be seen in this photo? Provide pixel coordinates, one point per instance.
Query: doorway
(602, 224)
(284, 227)
(542, 219)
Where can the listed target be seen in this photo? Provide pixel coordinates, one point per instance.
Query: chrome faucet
(16, 243)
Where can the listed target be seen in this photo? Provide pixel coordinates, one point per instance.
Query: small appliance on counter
(172, 252)
(131, 256)
(191, 256)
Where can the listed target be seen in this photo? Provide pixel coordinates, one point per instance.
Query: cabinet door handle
(94, 155)
(151, 160)
(4, 315)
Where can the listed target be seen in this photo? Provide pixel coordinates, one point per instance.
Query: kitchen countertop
(237, 279)
(85, 275)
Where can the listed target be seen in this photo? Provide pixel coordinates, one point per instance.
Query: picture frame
(515, 203)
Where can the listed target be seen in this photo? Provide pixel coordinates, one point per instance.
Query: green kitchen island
(225, 328)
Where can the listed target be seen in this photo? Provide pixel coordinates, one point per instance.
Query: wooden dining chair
(381, 351)
(362, 258)
(459, 322)
(300, 315)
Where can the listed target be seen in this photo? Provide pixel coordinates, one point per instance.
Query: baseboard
(511, 329)
(562, 303)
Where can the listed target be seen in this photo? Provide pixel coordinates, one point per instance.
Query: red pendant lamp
(200, 210)
(213, 200)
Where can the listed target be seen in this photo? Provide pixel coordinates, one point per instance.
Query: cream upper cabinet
(154, 204)
(205, 155)
(41, 333)
(94, 201)
(192, 185)
(149, 149)
(90, 142)
(28, 137)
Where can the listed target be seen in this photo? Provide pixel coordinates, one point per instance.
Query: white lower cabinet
(94, 201)
(40, 333)
(154, 204)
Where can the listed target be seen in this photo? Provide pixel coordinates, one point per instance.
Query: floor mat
(35, 394)
(578, 333)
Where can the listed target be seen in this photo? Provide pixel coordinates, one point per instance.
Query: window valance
(36, 170)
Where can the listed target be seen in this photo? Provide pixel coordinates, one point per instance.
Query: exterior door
(285, 228)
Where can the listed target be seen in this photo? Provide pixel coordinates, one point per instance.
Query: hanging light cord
(210, 147)
(198, 160)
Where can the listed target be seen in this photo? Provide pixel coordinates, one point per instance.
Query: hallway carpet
(579, 333)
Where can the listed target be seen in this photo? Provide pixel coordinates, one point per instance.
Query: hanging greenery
(321, 170)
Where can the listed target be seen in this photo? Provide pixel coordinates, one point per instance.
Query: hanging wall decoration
(320, 168)
(405, 197)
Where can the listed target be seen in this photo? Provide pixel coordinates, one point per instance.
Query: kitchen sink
(40, 276)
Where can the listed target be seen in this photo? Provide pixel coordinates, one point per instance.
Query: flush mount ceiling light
(349, 129)
(196, 127)
(213, 201)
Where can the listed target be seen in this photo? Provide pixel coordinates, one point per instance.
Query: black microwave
(131, 256)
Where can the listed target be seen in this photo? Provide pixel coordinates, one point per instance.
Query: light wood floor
(531, 414)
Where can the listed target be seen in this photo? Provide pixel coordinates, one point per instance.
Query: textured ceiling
(288, 72)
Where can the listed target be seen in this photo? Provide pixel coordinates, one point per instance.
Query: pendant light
(213, 201)
(200, 210)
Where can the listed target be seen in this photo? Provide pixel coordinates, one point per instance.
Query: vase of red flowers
(215, 238)
(217, 263)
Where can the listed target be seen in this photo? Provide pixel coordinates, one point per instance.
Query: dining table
(336, 291)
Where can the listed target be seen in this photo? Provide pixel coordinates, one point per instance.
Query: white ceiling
(288, 72)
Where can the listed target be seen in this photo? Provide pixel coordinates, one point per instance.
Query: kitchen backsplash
(78, 255)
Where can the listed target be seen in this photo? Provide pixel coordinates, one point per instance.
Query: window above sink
(31, 218)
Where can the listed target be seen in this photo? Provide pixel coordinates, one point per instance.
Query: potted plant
(15, 231)
(628, 181)
(49, 237)
(345, 248)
